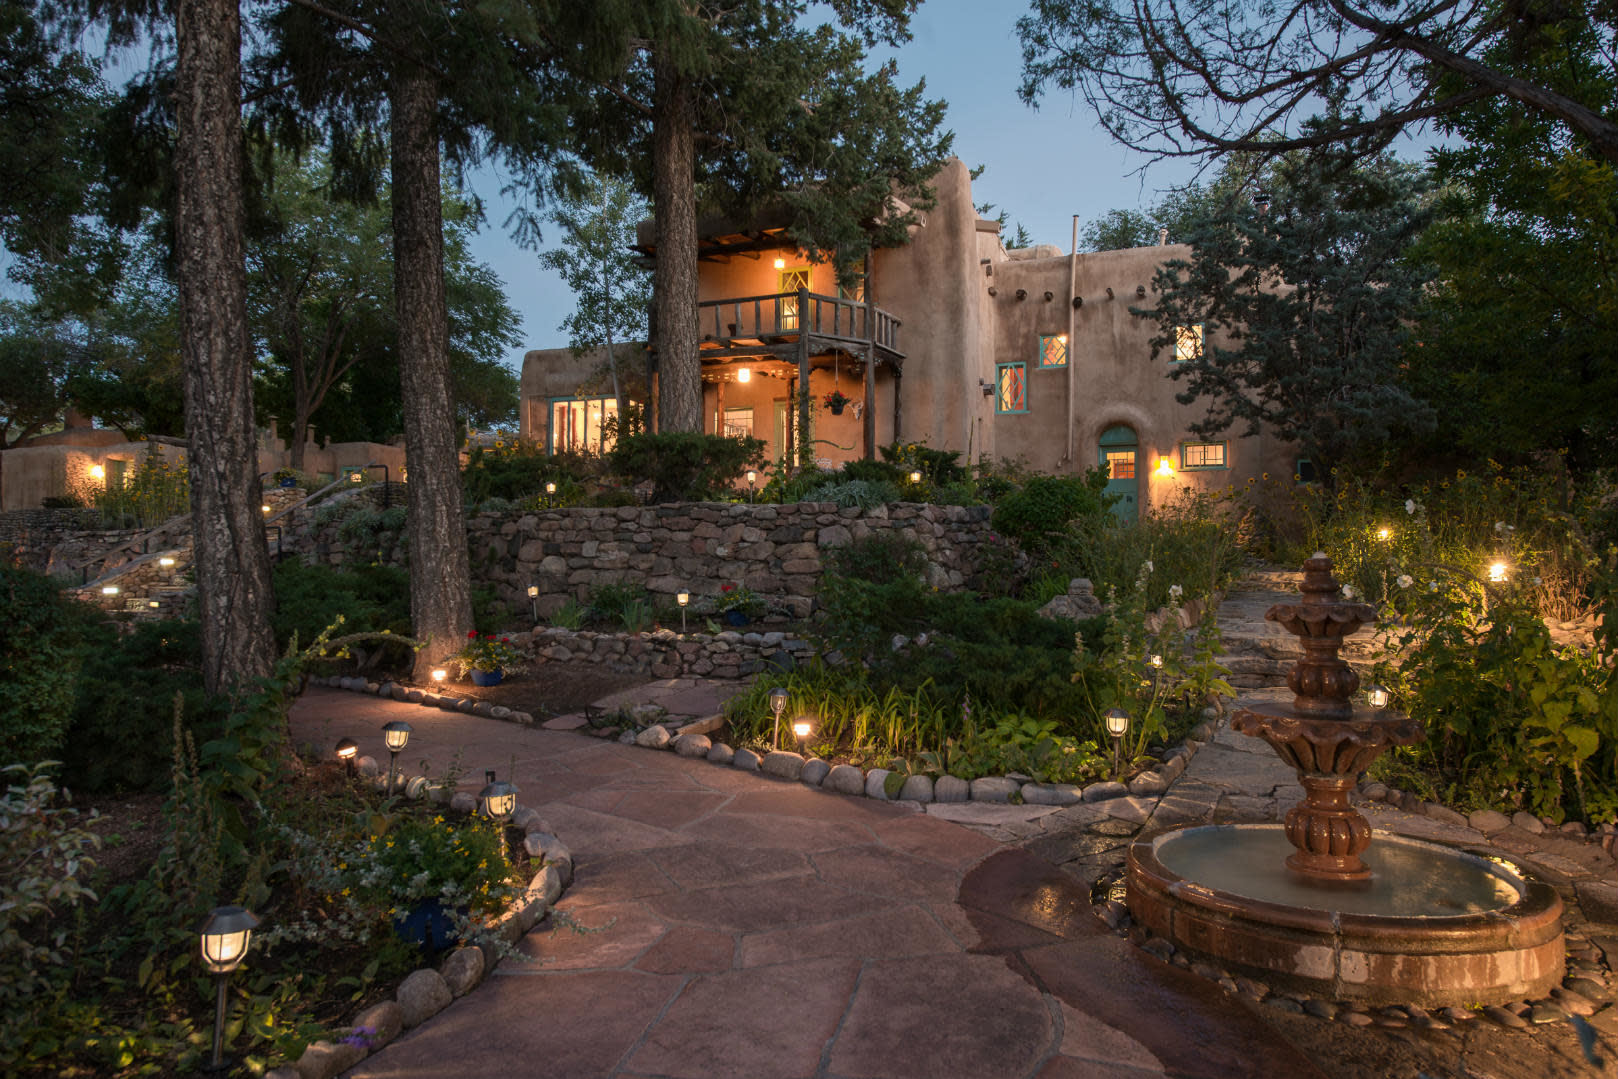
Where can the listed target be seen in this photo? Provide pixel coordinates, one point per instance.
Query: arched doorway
(1119, 454)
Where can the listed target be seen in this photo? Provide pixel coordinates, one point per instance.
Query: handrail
(777, 314)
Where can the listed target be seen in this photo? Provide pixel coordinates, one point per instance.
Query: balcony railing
(787, 313)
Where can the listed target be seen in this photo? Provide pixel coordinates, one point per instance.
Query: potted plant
(738, 604)
(487, 658)
(836, 400)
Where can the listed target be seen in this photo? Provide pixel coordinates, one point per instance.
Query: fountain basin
(1434, 926)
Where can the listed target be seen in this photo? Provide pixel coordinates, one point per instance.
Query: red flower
(505, 640)
(727, 588)
(472, 635)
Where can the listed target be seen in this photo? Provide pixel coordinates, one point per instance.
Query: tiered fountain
(1403, 921)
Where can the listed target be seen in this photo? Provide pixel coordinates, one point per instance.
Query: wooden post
(803, 375)
(868, 417)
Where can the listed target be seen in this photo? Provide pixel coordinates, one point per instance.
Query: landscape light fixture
(550, 493)
(752, 479)
(1497, 571)
(801, 728)
(1117, 721)
(152, 603)
(109, 590)
(166, 562)
(396, 733)
(498, 799)
(1377, 695)
(225, 934)
(915, 477)
(347, 749)
(265, 509)
(439, 674)
(1384, 533)
(778, 704)
(682, 598)
(533, 600)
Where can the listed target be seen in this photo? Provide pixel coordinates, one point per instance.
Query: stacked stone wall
(665, 654)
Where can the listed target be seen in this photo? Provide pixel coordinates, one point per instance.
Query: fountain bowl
(1434, 925)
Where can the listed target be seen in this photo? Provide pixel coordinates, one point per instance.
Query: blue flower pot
(736, 618)
(487, 678)
(428, 924)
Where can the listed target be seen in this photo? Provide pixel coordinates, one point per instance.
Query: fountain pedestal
(1404, 921)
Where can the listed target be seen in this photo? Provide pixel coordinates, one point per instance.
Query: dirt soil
(553, 689)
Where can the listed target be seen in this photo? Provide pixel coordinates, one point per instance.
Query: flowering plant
(836, 399)
(488, 653)
(738, 597)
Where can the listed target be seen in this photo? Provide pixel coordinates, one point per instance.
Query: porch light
(744, 374)
(1164, 468)
(97, 472)
(1377, 696)
(498, 799)
(225, 934)
(1498, 571)
(780, 264)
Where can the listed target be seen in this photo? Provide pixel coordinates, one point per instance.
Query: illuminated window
(1195, 455)
(578, 424)
(1120, 464)
(738, 423)
(1011, 387)
(1187, 343)
(789, 281)
(1053, 350)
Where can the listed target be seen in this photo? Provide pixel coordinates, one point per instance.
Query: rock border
(427, 991)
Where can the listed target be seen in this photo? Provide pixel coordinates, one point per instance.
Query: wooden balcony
(790, 324)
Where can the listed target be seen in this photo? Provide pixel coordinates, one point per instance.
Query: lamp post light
(347, 749)
(682, 598)
(752, 478)
(1377, 695)
(778, 704)
(396, 733)
(498, 798)
(533, 601)
(1117, 721)
(801, 728)
(225, 933)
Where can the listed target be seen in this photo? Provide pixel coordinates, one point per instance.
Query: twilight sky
(1043, 166)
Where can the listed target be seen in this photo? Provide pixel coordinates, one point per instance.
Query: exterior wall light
(225, 934)
(97, 472)
(1164, 468)
(744, 374)
(498, 799)
(780, 264)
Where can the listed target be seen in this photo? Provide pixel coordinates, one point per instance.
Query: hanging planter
(836, 401)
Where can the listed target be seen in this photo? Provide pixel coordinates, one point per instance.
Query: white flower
(1410, 505)
(1405, 580)
(1537, 581)
(1500, 526)
(1148, 565)
(1348, 591)
(1175, 591)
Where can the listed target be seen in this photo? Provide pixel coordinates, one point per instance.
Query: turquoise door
(1120, 453)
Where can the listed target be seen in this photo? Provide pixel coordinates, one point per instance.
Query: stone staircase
(1259, 653)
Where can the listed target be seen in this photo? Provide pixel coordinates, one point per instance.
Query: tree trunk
(674, 274)
(232, 561)
(440, 597)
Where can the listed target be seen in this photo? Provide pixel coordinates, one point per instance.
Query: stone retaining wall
(665, 654)
(691, 547)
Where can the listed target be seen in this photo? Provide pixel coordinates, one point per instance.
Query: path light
(265, 509)
(778, 704)
(533, 600)
(915, 477)
(550, 493)
(1377, 696)
(347, 748)
(439, 674)
(682, 598)
(396, 733)
(498, 799)
(1384, 533)
(1117, 721)
(752, 478)
(152, 603)
(1497, 571)
(801, 728)
(225, 933)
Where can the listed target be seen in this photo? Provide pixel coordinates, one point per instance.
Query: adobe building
(951, 341)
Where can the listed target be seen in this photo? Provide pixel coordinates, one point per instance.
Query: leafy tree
(1239, 178)
(1313, 297)
(35, 362)
(611, 288)
(1206, 76)
(1516, 339)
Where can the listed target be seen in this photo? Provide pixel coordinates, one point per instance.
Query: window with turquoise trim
(1053, 350)
(1187, 343)
(1200, 455)
(1011, 387)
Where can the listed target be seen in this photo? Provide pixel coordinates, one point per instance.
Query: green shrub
(938, 468)
(849, 494)
(1036, 515)
(368, 598)
(39, 662)
(1190, 543)
(685, 466)
(515, 469)
(44, 860)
